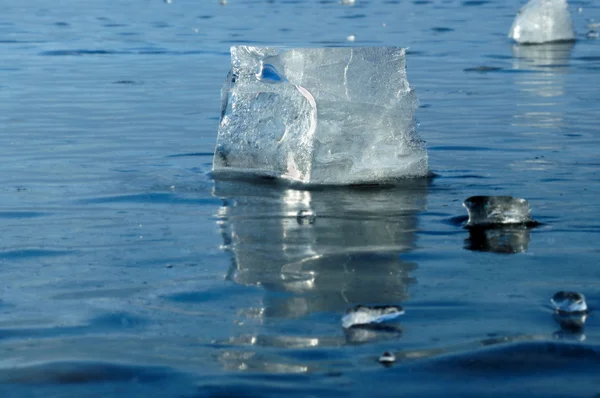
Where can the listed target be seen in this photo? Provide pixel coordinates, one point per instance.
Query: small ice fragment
(351, 38)
(542, 21)
(305, 217)
(592, 34)
(364, 315)
(223, 2)
(335, 116)
(568, 302)
(387, 358)
(348, 2)
(487, 211)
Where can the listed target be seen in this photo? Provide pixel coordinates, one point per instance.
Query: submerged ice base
(542, 21)
(319, 116)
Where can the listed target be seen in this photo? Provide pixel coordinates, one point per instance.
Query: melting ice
(364, 315)
(497, 210)
(319, 116)
(543, 21)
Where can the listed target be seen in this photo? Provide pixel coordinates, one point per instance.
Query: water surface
(126, 270)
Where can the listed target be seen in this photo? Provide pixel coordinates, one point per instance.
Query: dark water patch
(442, 29)
(214, 294)
(118, 320)
(63, 53)
(22, 214)
(457, 221)
(474, 3)
(352, 16)
(139, 51)
(193, 154)
(587, 58)
(113, 25)
(499, 56)
(205, 16)
(157, 198)
(61, 24)
(161, 25)
(270, 385)
(523, 360)
(115, 322)
(82, 373)
(422, 2)
(24, 254)
(439, 233)
(459, 148)
(483, 69)
(97, 293)
(127, 82)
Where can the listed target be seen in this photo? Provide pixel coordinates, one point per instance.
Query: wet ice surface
(126, 271)
(334, 116)
(543, 21)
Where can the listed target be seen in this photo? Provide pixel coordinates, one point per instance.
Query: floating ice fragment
(319, 116)
(486, 211)
(387, 358)
(542, 21)
(348, 2)
(351, 38)
(592, 34)
(363, 315)
(306, 217)
(569, 302)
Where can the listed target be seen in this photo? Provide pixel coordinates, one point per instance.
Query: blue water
(126, 270)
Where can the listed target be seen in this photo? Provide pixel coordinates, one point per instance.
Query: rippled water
(126, 270)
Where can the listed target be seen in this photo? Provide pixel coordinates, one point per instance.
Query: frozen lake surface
(126, 270)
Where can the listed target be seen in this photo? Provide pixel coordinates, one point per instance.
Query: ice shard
(543, 21)
(319, 116)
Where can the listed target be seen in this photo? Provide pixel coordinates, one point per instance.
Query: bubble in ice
(486, 211)
(306, 216)
(542, 21)
(387, 358)
(569, 302)
(364, 315)
(336, 116)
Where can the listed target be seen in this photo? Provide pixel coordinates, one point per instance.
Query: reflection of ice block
(543, 21)
(319, 116)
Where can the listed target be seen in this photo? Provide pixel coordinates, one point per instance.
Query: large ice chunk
(319, 116)
(543, 21)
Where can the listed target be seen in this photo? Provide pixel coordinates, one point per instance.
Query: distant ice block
(487, 211)
(319, 116)
(543, 21)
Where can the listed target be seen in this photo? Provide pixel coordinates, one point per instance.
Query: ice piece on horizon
(485, 211)
(319, 116)
(387, 358)
(568, 302)
(543, 21)
(364, 315)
